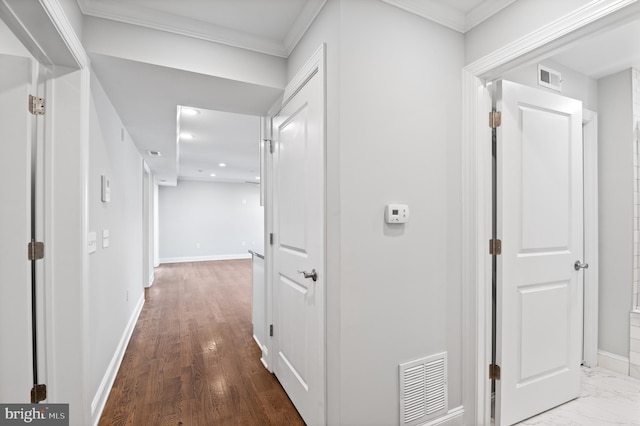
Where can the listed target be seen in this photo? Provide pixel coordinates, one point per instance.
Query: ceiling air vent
(423, 389)
(549, 78)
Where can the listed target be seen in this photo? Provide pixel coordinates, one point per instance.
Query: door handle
(579, 265)
(313, 274)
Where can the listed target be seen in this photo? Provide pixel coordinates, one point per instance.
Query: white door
(539, 220)
(298, 306)
(16, 377)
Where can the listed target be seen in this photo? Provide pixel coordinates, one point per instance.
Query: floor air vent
(423, 389)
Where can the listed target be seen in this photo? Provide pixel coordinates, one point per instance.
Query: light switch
(105, 238)
(396, 213)
(92, 242)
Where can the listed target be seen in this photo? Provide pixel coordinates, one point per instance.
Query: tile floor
(607, 398)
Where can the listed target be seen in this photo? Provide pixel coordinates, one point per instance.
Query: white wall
(615, 157)
(574, 84)
(393, 135)
(209, 220)
(116, 272)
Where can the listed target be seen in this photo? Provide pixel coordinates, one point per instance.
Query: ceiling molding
(450, 17)
(158, 20)
(302, 24)
(484, 11)
(154, 19)
(433, 11)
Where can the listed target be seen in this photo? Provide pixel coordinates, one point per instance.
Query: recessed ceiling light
(190, 111)
(212, 175)
(258, 177)
(222, 165)
(154, 153)
(186, 136)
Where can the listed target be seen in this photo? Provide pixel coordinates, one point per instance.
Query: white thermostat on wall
(396, 213)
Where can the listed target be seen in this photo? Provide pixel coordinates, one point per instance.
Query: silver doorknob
(579, 265)
(313, 274)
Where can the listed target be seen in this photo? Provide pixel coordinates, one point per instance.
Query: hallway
(192, 359)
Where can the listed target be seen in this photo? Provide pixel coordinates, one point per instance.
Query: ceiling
(147, 97)
(605, 53)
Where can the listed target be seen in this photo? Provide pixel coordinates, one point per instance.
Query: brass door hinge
(271, 330)
(494, 372)
(495, 119)
(38, 393)
(36, 105)
(35, 250)
(495, 247)
(271, 238)
(269, 143)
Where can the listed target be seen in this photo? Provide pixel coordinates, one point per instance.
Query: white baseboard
(613, 362)
(100, 398)
(205, 258)
(455, 417)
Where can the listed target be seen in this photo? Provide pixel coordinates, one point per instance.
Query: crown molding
(157, 20)
(484, 11)
(434, 11)
(450, 17)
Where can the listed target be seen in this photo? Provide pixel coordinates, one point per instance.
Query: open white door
(298, 246)
(539, 217)
(16, 374)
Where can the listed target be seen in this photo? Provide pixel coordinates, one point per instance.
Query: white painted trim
(475, 233)
(204, 258)
(100, 398)
(613, 362)
(484, 11)
(443, 14)
(151, 279)
(591, 281)
(157, 20)
(309, 13)
(454, 417)
(514, 53)
(309, 69)
(65, 29)
(436, 11)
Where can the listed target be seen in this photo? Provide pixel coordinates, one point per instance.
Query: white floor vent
(423, 389)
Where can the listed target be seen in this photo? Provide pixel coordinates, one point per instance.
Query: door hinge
(270, 144)
(271, 238)
(36, 105)
(494, 372)
(35, 250)
(495, 247)
(38, 393)
(495, 119)
(271, 330)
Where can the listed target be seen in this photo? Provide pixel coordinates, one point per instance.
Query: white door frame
(316, 64)
(476, 166)
(590, 282)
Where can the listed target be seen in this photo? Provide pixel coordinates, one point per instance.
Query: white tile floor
(607, 398)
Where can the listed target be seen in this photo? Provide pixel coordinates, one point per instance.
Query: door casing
(476, 161)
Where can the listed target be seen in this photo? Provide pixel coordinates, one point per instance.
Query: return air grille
(423, 389)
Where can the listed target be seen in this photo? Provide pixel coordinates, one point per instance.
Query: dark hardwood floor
(192, 359)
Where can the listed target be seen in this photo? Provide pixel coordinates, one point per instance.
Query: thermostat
(396, 213)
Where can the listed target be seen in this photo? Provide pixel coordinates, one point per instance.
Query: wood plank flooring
(192, 359)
